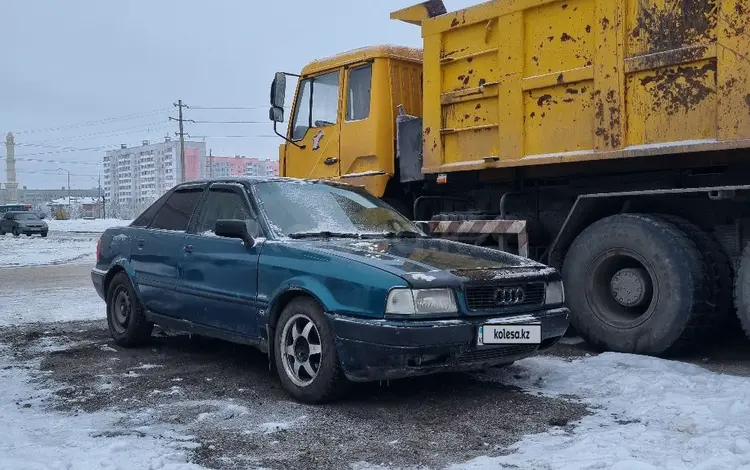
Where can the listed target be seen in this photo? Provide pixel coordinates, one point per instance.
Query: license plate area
(495, 334)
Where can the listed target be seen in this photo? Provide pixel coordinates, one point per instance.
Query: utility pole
(180, 121)
(211, 163)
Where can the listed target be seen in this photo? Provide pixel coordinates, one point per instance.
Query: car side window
(225, 203)
(176, 212)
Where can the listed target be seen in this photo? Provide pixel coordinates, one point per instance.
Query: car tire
(302, 326)
(15, 232)
(126, 317)
(44, 234)
(620, 269)
(742, 291)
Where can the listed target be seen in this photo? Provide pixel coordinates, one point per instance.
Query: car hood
(429, 262)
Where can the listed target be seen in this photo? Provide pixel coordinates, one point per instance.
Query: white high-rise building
(134, 177)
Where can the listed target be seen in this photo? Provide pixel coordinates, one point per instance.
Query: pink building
(240, 166)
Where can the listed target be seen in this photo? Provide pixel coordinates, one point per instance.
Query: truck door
(315, 128)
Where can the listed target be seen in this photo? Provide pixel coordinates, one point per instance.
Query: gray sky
(119, 66)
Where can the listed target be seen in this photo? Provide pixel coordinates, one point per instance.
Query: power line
(110, 133)
(229, 122)
(227, 108)
(256, 136)
(43, 160)
(50, 173)
(93, 123)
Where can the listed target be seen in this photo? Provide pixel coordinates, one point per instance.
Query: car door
(157, 250)
(315, 128)
(218, 281)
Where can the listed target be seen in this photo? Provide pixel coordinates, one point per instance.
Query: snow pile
(33, 438)
(37, 251)
(82, 225)
(648, 414)
(45, 304)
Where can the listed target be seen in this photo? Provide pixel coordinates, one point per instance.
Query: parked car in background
(331, 282)
(23, 223)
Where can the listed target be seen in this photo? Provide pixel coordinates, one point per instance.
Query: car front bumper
(371, 350)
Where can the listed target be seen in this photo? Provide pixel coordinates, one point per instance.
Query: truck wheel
(636, 283)
(306, 357)
(742, 291)
(125, 314)
(718, 272)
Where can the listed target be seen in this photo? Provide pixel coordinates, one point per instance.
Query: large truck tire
(742, 291)
(718, 272)
(637, 284)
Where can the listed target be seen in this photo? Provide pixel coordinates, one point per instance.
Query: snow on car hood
(431, 261)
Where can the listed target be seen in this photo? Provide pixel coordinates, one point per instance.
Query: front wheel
(16, 233)
(126, 316)
(306, 358)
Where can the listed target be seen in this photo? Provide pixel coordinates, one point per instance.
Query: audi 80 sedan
(331, 282)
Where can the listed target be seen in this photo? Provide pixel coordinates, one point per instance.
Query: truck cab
(343, 127)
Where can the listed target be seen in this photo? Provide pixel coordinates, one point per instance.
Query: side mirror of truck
(276, 114)
(278, 90)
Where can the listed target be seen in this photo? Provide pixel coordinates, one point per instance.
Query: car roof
(251, 180)
(20, 212)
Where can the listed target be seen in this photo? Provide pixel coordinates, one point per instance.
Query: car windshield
(26, 217)
(298, 209)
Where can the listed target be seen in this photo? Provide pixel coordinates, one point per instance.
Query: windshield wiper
(323, 234)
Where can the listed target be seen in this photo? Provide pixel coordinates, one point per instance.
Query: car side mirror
(278, 90)
(276, 114)
(233, 228)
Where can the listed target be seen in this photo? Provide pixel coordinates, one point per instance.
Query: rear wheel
(126, 316)
(306, 357)
(15, 232)
(637, 284)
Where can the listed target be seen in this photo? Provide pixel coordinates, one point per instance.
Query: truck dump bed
(521, 82)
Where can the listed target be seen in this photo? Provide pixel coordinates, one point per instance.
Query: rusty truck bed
(523, 82)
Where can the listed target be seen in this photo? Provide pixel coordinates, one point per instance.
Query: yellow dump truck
(608, 138)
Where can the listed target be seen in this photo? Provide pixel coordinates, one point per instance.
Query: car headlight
(555, 293)
(403, 301)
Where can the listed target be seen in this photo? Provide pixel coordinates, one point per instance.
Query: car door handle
(331, 160)
(141, 243)
(188, 248)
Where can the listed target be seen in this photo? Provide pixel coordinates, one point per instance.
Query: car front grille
(490, 297)
(496, 352)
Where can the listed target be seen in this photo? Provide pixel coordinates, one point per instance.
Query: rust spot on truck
(427, 131)
(572, 91)
(605, 23)
(482, 81)
(560, 78)
(747, 100)
(567, 37)
(588, 28)
(564, 6)
(454, 23)
(680, 88)
(544, 100)
(478, 106)
(676, 25)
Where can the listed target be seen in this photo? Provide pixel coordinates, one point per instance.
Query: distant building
(134, 177)
(75, 208)
(38, 198)
(241, 166)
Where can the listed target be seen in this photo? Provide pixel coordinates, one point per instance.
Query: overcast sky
(118, 66)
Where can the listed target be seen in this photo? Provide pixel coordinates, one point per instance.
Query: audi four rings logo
(509, 296)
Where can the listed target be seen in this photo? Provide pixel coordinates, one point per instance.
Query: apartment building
(134, 177)
(241, 166)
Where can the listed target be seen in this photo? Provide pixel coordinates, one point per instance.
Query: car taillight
(98, 249)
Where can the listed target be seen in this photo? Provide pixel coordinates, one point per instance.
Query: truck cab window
(358, 93)
(323, 110)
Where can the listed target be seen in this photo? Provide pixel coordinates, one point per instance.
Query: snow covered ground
(81, 225)
(34, 438)
(68, 241)
(648, 414)
(55, 249)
